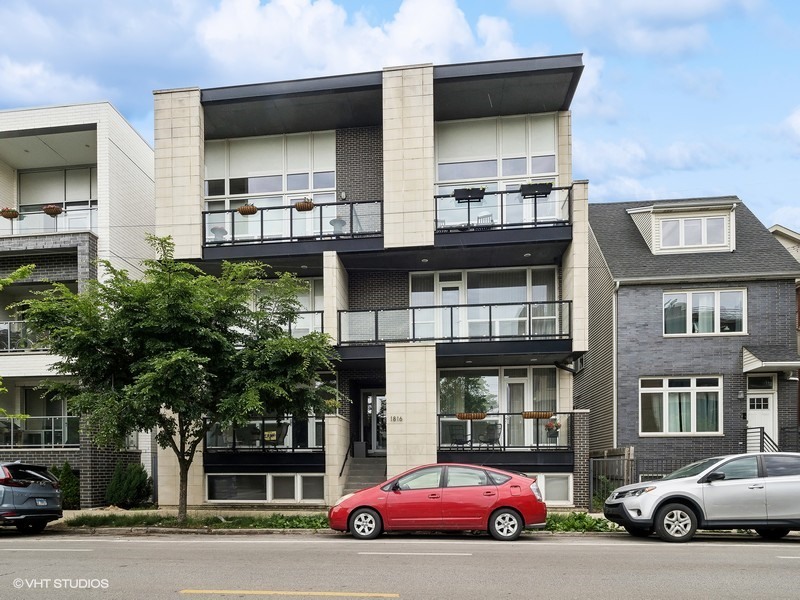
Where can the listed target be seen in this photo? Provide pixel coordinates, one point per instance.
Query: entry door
(761, 413)
(374, 406)
(519, 430)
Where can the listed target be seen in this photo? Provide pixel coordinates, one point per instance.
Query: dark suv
(29, 497)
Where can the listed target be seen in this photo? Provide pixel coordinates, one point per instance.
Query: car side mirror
(396, 486)
(715, 476)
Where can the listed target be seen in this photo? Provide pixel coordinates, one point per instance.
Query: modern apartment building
(76, 185)
(432, 210)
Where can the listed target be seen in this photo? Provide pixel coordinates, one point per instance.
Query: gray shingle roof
(758, 253)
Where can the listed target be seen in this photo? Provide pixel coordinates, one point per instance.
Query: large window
(705, 312)
(266, 487)
(680, 405)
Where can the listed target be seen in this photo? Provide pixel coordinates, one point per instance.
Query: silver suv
(742, 491)
(29, 497)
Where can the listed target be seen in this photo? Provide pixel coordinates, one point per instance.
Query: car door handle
(433, 496)
(756, 486)
(488, 493)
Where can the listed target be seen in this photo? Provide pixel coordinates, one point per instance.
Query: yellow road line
(289, 593)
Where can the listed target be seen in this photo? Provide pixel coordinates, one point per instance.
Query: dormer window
(692, 232)
(707, 225)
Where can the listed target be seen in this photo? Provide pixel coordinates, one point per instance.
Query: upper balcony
(31, 220)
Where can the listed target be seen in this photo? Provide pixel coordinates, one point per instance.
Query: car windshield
(693, 469)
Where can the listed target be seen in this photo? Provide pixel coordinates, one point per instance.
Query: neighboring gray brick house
(691, 332)
(80, 182)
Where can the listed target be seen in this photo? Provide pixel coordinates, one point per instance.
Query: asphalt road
(63, 565)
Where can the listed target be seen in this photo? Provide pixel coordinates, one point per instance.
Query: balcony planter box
(9, 213)
(537, 414)
(247, 209)
(52, 209)
(469, 194)
(304, 205)
(529, 190)
(471, 416)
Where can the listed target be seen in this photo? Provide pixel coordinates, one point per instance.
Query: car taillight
(536, 491)
(8, 480)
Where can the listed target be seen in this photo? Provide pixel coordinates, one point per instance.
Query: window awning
(769, 359)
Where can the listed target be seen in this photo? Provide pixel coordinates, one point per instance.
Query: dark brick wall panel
(370, 290)
(97, 464)
(66, 257)
(359, 163)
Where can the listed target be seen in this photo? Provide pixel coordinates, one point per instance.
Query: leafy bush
(577, 521)
(70, 486)
(275, 521)
(129, 486)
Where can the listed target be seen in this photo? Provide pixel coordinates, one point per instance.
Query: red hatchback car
(444, 497)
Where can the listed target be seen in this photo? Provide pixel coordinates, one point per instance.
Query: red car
(444, 497)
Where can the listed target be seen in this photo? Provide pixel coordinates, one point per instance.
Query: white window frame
(693, 389)
(717, 315)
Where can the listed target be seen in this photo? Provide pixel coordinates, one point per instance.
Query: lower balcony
(284, 443)
(16, 336)
(39, 432)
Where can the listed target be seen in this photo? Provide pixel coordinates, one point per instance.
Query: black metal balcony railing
(462, 322)
(530, 430)
(39, 432)
(506, 209)
(327, 220)
(16, 336)
(263, 434)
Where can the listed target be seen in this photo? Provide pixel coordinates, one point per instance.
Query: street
(64, 565)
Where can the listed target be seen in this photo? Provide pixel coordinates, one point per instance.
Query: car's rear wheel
(676, 523)
(642, 532)
(772, 533)
(31, 527)
(505, 524)
(365, 524)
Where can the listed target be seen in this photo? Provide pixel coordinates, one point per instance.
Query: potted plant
(52, 209)
(469, 194)
(304, 205)
(552, 425)
(247, 209)
(9, 213)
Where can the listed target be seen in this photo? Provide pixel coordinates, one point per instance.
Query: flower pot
(304, 205)
(52, 209)
(9, 213)
(247, 209)
(470, 416)
(534, 190)
(468, 194)
(552, 433)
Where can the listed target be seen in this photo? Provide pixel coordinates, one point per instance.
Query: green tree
(16, 275)
(179, 349)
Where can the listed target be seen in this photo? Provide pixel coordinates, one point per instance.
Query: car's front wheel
(772, 533)
(31, 527)
(676, 523)
(505, 524)
(365, 524)
(641, 532)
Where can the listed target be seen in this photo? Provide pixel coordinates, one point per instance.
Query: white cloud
(593, 99)
(36, 83)
(788, 216)
(665, 28)
(792, 124)
(621, 189)
(251, 41)
(599, 158)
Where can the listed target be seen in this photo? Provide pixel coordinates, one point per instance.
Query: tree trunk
(183, 487)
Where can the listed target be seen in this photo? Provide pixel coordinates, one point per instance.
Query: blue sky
(684, 98)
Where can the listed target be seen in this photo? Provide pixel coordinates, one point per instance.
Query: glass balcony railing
(37, 222)
(266, 224)
(495, 431)
(307, 322)
(463, 322)
(476, 209)
(39, 432)
(16, 336)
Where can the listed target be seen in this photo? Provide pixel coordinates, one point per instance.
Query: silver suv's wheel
(676, 523)
(505, 524)
(365, 524)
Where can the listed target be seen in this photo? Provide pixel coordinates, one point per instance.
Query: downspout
(614, 403)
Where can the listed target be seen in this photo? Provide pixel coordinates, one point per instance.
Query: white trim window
(680, 405)
(705, 312)
(265, 487)
(693, 233)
